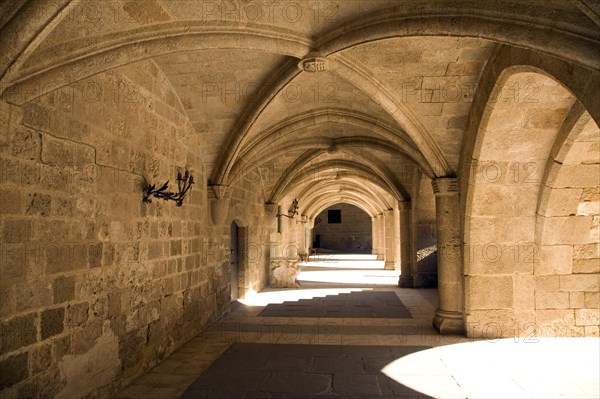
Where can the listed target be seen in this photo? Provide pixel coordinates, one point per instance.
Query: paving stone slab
(302, 371)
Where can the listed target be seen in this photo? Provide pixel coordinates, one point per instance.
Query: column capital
(445, 186)
(404, 205)
(219, 191)
(270, 209)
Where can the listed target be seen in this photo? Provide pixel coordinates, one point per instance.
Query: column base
(389, 265)
(405, 282)
(449, 323)
(422, 280)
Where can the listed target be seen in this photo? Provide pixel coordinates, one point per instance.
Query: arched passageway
(466, 132)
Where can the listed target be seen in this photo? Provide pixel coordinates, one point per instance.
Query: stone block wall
(95, 285)
(353, 235)
(567, 278)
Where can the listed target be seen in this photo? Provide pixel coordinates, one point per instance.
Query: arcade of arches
(468, 129)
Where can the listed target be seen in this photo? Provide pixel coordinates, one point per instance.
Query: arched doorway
(234, 261)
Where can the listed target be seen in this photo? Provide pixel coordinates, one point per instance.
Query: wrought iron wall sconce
(184, 184)
(292, 212)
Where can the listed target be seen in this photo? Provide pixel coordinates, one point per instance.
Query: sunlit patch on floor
(507, 368)
(272, 297)
(354, 277)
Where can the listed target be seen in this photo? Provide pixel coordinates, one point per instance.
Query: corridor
(299, 198)
(352, 340)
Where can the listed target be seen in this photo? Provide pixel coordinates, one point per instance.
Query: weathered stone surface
(26, 144)
(14, 370)
(40, 358)
(52, 322)
(85, 338)
(77, 314)
(567, 230)
(64, 289)
(587, 317)
(44, 385)
(38, 204)
(580, 282)
(555, 259)
(129, 349)
(592, 300)
(10, 202)
(103, 355)
(552, 300)
(490, 292)
(65, 258)
(588, 266)
(577, 300)
(588, 251)
(16, 231)
(547, 283)
(34, 294)
(17, 333)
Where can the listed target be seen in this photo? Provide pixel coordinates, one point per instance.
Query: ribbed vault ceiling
(395, 96)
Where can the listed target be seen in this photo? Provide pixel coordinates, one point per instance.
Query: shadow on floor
(360, 304)
(252, 370)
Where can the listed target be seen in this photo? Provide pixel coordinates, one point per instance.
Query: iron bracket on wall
(292, 212)
(184, 184)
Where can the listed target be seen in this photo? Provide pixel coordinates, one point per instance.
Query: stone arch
(501, 199)
(388, 139)
(323, 200)
(405, 118)
(578, 81)
(568, 233)
(70, 62)
(377, 177)
(369, 194)
(324, 203)
(529, 28)
(113, 49)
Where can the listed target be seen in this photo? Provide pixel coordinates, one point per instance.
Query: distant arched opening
(343, 228)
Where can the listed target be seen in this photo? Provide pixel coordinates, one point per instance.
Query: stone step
(344, 264)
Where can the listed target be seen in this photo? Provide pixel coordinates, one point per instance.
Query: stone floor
(250, 355)
(247, 370)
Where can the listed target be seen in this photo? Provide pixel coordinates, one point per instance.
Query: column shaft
(406, 246)
(449, 315)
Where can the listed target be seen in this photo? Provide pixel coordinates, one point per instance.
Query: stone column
(380, 238)
(374, 242)
(377, 236)
(449, 314)
(397, 251)
(407, 248)
(388, 234)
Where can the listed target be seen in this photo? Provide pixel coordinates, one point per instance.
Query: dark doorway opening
(234, 262)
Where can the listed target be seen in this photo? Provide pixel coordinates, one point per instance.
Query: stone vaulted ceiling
(395, 95)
